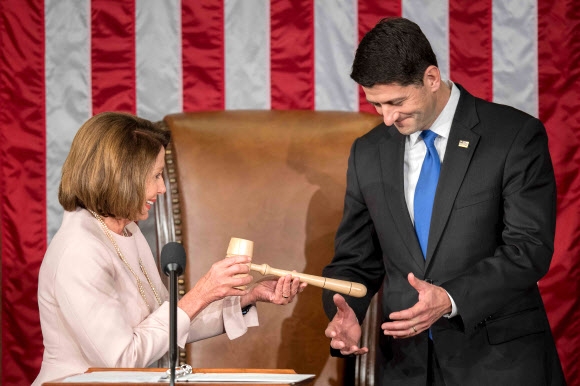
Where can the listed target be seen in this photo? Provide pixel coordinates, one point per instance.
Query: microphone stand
(172, 321)
(173, 262)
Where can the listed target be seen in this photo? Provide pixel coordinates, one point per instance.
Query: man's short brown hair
(395, 51)
(108, 163)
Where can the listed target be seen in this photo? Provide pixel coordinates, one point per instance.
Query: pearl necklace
(118, 250)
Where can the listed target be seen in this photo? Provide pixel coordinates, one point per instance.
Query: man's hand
(344, 330)
(433, 304)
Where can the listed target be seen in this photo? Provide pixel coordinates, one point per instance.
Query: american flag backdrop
(65, 60)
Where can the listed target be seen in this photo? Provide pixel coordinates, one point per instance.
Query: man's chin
(405, 130)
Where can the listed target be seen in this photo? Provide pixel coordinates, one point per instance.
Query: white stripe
(158, 71)
(515, 54)
(68, 90)
(247, 54)
(433, 18)
(336, 37)
(158, 61)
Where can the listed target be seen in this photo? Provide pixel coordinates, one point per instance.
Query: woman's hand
(274, 290)
(216, 284)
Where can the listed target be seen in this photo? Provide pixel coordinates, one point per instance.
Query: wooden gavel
(246, 247)
(341, 286)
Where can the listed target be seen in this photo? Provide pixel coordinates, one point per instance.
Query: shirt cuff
(236, 324)
(453, 308)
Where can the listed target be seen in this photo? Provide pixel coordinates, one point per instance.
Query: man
(450, 206)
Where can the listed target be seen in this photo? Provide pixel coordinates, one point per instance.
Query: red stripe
(470, 46)
(23, 195)
(113, 55)
(369, 14)
(559, 96)
(202, 26)
(292, 54)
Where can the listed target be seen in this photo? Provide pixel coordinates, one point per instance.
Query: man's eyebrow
(389, 102)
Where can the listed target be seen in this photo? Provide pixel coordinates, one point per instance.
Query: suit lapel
(461, 146)
(391, 153)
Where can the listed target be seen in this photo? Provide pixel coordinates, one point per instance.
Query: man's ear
(432, 78)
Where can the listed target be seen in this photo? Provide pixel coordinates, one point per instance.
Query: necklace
(118, 250)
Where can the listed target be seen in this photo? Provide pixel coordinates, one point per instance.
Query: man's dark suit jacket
(490, 241)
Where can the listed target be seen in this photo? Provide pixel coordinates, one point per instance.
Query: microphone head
(173, 258)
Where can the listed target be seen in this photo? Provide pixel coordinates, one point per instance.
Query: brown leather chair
(277, 178)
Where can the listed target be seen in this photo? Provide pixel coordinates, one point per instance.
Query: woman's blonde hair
(108, 164)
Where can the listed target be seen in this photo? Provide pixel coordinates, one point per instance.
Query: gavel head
(240, 247)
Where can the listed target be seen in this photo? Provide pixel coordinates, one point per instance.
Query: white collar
(442, 125)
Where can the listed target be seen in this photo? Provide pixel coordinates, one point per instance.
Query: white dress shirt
(415, 150)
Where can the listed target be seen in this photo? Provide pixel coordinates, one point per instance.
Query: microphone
(173, 263)
(173, 258)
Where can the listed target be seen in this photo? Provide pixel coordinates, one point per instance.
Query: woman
(102, 302)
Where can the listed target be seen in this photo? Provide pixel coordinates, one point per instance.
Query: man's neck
(443, 95)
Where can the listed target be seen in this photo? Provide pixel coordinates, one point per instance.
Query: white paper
(245, 377)
(154, 377)
(116, 376)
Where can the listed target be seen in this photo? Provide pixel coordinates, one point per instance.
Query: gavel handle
(341, 286)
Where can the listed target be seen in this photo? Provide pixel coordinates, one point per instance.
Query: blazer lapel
(391, 152)
(461, 146)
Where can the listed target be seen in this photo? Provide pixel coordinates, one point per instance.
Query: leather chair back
(277, 178)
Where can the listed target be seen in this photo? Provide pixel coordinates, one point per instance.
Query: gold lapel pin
(464, 144)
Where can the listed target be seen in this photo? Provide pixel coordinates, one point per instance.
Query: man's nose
(390, 115)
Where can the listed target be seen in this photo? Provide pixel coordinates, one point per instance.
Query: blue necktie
(425, 191)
